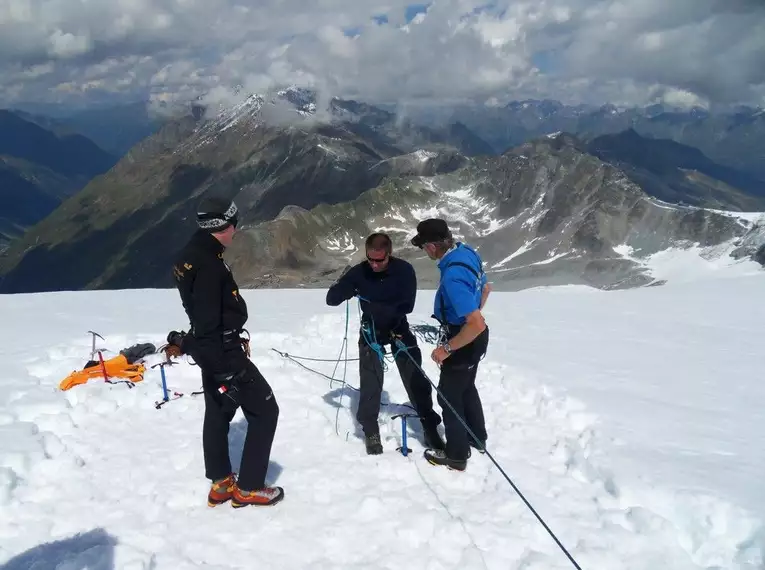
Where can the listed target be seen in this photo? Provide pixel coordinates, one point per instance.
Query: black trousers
(371, 376)
(457, 385)
(261, 411)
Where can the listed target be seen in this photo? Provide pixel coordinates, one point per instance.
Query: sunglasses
(380, 260)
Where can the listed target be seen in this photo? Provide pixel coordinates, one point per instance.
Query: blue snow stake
(404, 449)
(164, 383)
(165, 396)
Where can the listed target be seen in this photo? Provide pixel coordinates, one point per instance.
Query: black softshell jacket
(211, 299)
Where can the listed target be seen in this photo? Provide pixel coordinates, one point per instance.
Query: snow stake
(165, 397)
(404, 449)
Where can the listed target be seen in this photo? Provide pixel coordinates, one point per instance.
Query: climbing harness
(370, 337)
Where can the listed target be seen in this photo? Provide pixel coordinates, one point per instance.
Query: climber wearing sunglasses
(386, 287)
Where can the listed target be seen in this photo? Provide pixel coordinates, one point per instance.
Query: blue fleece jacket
(459, 291)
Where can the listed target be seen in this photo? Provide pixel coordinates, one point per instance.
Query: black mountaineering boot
(374, 446)
(438, 457)
(433, 438)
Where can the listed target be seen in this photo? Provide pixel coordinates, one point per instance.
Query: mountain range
(39, 169)
(116, 128)
(560, 207)
(734, 138)
(545, 212)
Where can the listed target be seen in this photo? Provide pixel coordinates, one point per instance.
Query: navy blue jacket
(386, 297)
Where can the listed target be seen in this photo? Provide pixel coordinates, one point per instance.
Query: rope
(368, 332)
(345, 367)
(310, 359)
(330, 378)
(484, 450)
(340, 358)
(428, 333)
(309, 369)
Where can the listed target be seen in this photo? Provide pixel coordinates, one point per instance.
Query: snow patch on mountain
(685, 261)
(747, 219)
(397, 215)
(302, 98)
(343, 243)
(547, 261)
(331, 151)
(520, 251)
(250, 108)
(424, 155)
(537, 211)
(688, 262)
(461, 207)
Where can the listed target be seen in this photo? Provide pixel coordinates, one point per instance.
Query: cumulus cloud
(686, 52)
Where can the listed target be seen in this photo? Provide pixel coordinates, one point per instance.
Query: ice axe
(93, 345)
(100, 356)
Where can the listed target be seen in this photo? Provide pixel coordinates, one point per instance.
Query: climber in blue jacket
(462, 293)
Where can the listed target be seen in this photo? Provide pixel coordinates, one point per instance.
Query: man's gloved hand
(228, 389)
(174, 347)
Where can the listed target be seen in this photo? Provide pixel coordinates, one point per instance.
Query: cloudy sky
(621, 51)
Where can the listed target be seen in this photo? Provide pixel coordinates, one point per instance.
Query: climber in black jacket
(387, 289)
(217, 314)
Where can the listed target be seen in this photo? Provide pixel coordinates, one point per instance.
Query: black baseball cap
(430, 230)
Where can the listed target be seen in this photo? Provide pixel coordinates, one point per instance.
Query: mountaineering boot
(438, 457)
(259, 497)
(374, 446)
(221, 491)
(433, 438)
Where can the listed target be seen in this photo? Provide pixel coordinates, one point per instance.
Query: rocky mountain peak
(311, 186)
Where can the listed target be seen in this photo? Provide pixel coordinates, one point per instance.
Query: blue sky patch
(413, 9)
(352, 31)
(544, 60)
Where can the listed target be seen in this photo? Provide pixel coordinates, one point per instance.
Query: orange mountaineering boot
(259, 497)
(221, 491)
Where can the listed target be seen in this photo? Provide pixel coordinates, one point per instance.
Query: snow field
(101, 461)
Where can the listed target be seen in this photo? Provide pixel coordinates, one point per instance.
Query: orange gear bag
(117, 367)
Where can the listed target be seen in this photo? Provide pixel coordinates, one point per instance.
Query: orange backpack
(125, 366)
